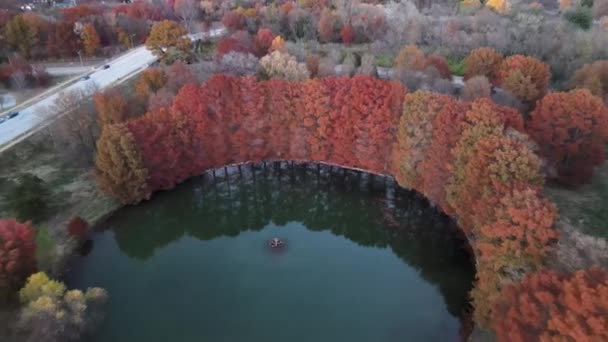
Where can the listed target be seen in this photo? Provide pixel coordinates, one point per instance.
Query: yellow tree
(169, 42)
(120, 165)
(500, 6)
(20, 36)
(90, 39)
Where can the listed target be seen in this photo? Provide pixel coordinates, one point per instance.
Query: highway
(38, 115)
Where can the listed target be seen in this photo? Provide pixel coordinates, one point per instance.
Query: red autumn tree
(571, 129)
(378, 113)
(341, 121)
(111, 107)
(441, 65)
(155, 136)
(515, 236)
(263, 41)
(437, 166)
(548, 306)
(78, 228)
(233, 21)
(231, 44)
(328, 26)
(483, 62)
(149, 82)
(17, 254)
(525, 77)
(178, 75)
(317, 106)
(347, 34)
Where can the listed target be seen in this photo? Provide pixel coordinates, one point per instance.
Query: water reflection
(235, 199)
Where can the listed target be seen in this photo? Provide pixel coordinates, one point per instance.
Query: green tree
(29, 199)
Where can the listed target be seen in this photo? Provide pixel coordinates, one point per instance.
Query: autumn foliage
(17, 254)
(111, 106)
(472, 159)
(525, 77)
(548, 306)
(78, 228)
(571, 129)
(483, 62)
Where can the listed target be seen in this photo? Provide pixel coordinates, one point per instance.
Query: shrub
(571, 129)
(30, 199)
(17, 254)
(54, 314)
(457, 66)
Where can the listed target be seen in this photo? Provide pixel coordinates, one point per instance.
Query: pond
(363, 261)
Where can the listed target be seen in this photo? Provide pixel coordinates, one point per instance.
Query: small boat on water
(276, 243)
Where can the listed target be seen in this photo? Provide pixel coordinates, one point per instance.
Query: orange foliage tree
(498, 162)
(525, 77)
(549, 306)
(111, 107)
(17, 254)
(571, 129)
(90, 40)
(594, 77)
(483, 62)
(415, 135)
(149, 82)
(483, 119)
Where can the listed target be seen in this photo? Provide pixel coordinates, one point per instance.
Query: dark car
(107, 66)
(12, 114)
(84, 78)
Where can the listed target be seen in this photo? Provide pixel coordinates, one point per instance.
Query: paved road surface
(68, 70)
(38, 114)
(34, 115)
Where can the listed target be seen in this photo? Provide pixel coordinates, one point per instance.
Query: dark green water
(363, 262)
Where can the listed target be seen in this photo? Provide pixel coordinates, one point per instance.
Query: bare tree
(188, 11)
(75, 130)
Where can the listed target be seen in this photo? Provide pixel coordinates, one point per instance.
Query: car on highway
(12, 114)
(84, 78)
(107, 66)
